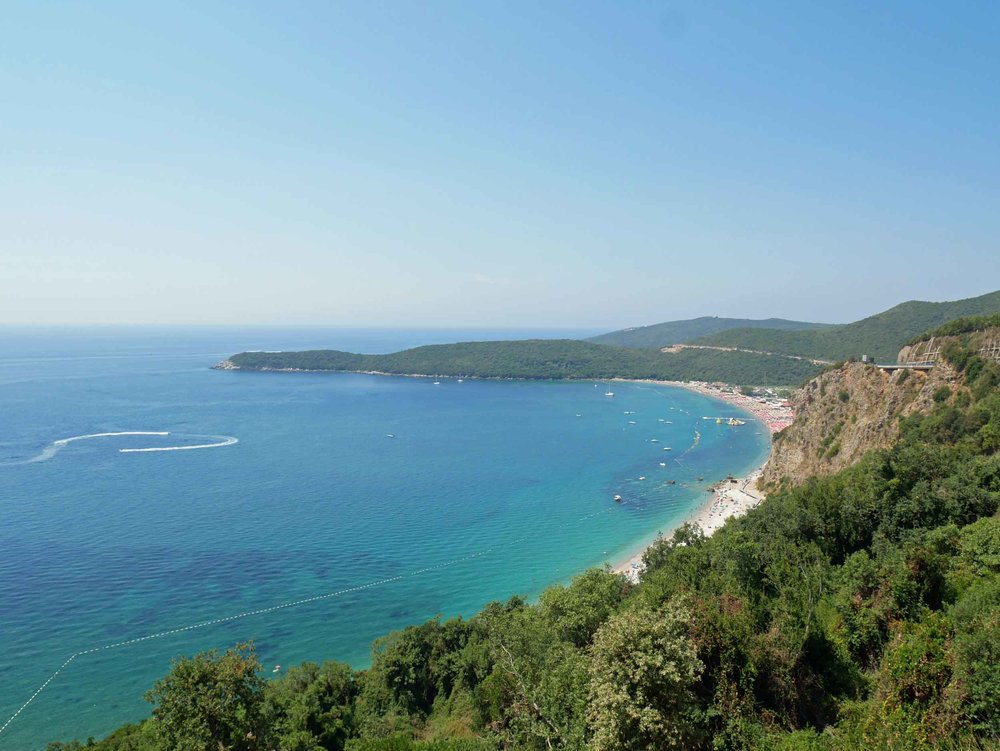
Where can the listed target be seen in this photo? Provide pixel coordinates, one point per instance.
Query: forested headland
(543, 359)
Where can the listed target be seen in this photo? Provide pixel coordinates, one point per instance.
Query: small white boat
(618, 499)
(654, 440)
(609, 392)
(390, 435)
(631, 422)
(667, 448)
(437, 383)
(663, 464)
(642, 477)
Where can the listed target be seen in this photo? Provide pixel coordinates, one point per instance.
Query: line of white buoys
(224, 440)
(273, 608)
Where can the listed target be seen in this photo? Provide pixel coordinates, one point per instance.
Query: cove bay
(152, 507)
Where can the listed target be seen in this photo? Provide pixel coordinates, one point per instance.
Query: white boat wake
(223, 440)
(53, 448)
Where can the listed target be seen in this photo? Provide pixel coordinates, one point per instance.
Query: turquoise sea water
(488, 489)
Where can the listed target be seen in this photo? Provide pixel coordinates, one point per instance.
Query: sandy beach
(774, 413)
(731, 497)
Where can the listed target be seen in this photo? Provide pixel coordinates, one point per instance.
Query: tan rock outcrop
(843, 413)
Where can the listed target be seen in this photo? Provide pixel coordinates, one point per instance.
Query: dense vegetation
(881, 335)
(677, 332)
(859, 610)
(960, 326)
(545, 358)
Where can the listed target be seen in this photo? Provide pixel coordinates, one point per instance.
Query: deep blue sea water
(489, 489)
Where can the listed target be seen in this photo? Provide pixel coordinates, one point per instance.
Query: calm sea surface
(488, 489)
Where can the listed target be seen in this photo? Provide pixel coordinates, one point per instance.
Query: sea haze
(488, 489)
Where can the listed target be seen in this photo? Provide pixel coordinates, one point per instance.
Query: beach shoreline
(732, 497)
(774, 415)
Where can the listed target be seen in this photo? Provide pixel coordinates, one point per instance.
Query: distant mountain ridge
(881, 335)
(765, 358)
(665, 334)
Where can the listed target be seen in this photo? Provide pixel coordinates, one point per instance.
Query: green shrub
(402, 743)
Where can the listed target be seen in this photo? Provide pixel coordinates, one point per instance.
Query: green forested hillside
(960, 326)
(881, 335)
(858, 610)
(545, 358)
(676, 332)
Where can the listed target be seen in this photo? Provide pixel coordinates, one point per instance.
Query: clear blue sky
(486, 163)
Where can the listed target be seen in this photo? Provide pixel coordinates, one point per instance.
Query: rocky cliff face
(846, 412)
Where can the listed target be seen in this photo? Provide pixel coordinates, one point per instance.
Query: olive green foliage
(402, 743)
(141, 737)
(545, 359)
(211, 701)
(858, 610)
(576, 612)
(829, 446)
(881, 335)
(642, 669)
(311, 707)
(965, 325)
(941, 394)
